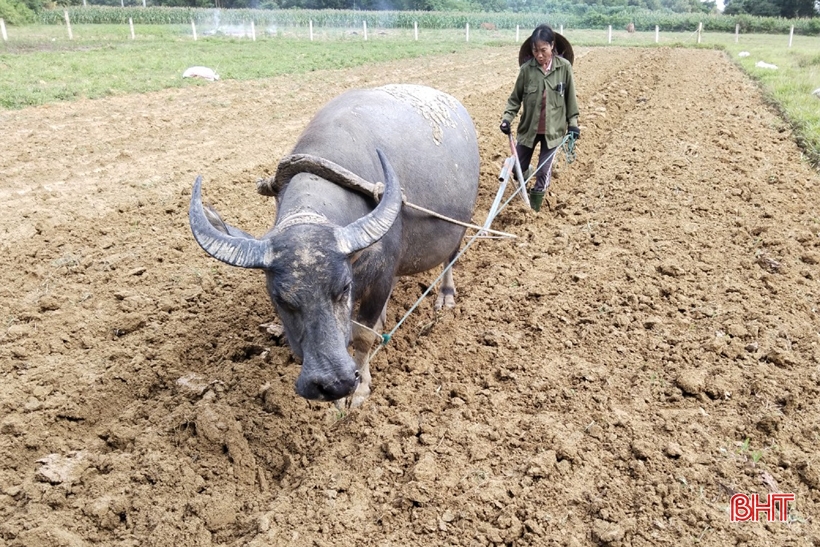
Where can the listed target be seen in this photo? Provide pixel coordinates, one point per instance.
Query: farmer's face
(542, 51)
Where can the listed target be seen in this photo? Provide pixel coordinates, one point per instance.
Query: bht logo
(743, 507)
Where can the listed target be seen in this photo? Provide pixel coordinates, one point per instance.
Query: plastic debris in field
(743, 54)
(816, 92)
(200, 72)
(762, 64)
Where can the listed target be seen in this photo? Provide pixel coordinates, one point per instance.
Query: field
(647, 347)
(40, 64)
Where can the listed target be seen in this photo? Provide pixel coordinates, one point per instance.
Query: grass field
(790, 86)
(39, 64)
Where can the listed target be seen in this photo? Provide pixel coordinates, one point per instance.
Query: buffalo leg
(373, 313)
(447, 292)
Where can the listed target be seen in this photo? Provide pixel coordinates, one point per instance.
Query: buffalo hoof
(354, 401)
(445, 301)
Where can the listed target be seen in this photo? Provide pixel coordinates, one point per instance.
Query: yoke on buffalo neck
(295, 164)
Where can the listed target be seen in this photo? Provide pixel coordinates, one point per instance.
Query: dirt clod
(691, 381)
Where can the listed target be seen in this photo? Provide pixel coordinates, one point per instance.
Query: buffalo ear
(224, 242)
(355, 256)
(216, 221)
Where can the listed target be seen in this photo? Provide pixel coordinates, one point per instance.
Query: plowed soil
(646, 348)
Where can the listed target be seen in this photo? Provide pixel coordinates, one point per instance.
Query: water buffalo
(332, 248)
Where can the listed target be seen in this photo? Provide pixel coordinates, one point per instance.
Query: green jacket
(562, 110)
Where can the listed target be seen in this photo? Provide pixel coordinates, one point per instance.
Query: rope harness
(568, 146)
(385, 338)
(330, 171)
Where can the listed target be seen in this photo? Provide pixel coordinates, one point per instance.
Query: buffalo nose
(326, 389)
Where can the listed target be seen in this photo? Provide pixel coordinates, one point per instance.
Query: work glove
(505, 127)
(574, 131)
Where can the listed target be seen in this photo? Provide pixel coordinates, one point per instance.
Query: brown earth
(595, 385)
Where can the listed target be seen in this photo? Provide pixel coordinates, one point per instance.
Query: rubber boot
(536, 199)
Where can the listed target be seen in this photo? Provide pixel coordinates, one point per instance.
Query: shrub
(597, 17)
(14, 12)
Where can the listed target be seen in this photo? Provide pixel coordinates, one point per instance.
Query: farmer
(546, 89)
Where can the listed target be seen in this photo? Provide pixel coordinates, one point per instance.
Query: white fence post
(609, 35)
(68, 25)
(364, 25)
(3, 30)
(122, 3)
(253, 31)
(737, 32)
(657, 33)
(517, 39)
(311, 30)
(468, 32)
(700, 30)
(131, 26)
(84, 4)
(791, 35)
(416, 29)
(562, 30)
(144, 4)
(193, 28)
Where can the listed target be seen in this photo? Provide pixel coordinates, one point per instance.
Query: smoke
(236, 31)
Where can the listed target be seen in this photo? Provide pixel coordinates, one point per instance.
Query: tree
(15, 12)
(772, 8)
(688, 6)
(797, 8)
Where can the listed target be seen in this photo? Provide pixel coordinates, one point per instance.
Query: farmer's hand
(574, 131)
(505, 127)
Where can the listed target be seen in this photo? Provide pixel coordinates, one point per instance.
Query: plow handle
(519, 175)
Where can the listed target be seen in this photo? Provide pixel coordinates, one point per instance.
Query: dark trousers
(543, 175)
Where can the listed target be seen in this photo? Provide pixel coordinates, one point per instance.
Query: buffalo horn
(369, 229)
(245, 252)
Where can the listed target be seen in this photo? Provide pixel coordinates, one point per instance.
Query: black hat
(562, 47)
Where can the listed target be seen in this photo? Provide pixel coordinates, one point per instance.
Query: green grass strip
(45, 66)
(39, 64)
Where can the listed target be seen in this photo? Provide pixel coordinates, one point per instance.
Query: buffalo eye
(288, 306)
(342, 296)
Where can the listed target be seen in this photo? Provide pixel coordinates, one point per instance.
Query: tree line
(577, 7)
(773, 8)
(587, 11)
